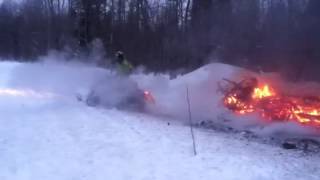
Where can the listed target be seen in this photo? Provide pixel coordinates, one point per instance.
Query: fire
(249, 96)
(24, 93)
(263, 92)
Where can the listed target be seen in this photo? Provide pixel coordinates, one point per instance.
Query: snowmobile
(121, 93)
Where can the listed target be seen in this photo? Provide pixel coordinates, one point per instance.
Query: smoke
(95, 55)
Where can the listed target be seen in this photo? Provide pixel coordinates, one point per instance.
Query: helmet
(120, 56)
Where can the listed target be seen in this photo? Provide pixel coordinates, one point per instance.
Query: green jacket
(125, 67)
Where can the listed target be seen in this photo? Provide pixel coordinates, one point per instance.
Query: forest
(169, 35)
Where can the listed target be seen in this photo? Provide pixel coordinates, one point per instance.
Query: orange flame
(264, 100)
(263, 92)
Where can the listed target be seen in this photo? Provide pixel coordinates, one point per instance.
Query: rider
(124, 67)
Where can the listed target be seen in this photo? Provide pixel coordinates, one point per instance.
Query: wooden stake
(191, 124)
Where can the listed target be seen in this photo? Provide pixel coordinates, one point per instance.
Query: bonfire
(250, 96)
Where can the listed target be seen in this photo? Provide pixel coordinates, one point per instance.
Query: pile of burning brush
(251, 96)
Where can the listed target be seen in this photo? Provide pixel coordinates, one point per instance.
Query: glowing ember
(148, 97)
(248, 97)
(25, 93)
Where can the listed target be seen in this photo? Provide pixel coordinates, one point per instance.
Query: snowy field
(46, 134)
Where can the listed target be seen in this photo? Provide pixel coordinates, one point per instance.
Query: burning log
(250, 96)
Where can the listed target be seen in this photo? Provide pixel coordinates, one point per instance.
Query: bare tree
(170, 34)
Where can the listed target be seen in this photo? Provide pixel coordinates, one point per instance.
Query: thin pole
(191, 124)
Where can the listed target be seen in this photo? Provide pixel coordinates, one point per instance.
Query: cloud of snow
(65, 79)
(171, 94)
(55, 74)
(60, 74)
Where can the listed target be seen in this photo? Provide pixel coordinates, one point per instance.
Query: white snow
(59, 138)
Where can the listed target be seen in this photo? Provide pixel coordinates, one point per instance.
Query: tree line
(268, 35)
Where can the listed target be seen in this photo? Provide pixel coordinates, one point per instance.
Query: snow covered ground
(57, 137)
